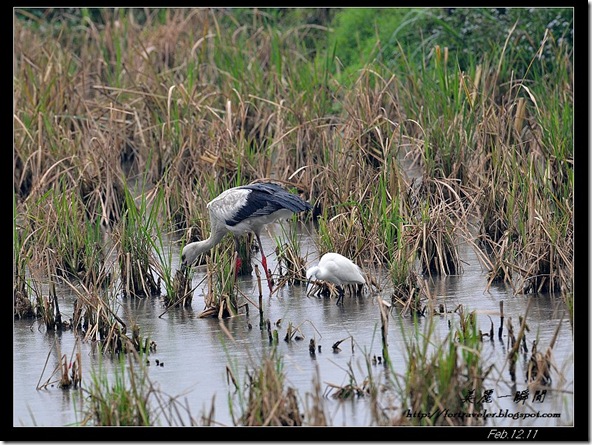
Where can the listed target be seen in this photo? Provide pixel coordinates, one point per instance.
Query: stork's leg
(264, 262)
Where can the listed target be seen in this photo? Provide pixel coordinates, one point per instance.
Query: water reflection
(194, 353)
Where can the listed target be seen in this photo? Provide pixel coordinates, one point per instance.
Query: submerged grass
(122, 400)
(443, 375)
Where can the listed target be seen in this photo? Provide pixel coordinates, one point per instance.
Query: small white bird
(336, 269)
(243, 209)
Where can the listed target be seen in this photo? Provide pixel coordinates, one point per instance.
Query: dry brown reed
(221, 299)
(98, 128)
(68, 371)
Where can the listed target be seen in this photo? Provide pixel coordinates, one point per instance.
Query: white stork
(243, 209)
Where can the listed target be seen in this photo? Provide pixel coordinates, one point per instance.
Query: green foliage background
(469, 33)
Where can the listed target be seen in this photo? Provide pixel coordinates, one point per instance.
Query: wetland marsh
(442, 164)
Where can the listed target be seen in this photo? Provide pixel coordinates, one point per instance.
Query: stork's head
(190, 253)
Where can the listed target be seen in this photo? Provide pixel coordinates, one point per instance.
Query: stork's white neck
(192, 250)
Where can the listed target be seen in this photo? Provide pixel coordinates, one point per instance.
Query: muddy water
(196, 352)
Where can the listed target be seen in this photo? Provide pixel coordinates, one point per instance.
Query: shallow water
(195, 352)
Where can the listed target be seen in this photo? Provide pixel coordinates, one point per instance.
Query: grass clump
(266, 400)
(444, 377)
(120, 400)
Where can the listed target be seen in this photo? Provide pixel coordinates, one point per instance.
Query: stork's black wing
(265, 199)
